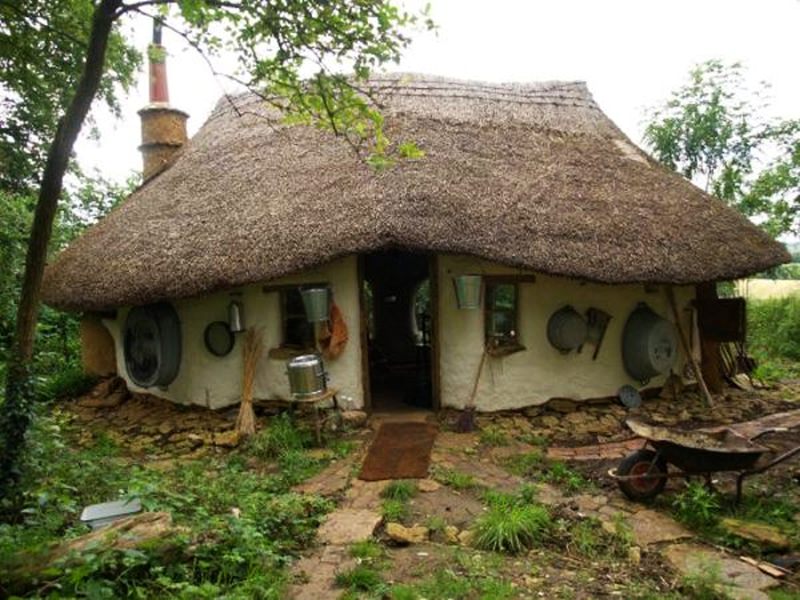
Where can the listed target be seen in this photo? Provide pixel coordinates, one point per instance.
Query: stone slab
(346, 526)
(746, 581)
(652, 527)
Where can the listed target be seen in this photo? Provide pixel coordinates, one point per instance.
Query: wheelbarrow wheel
(642, 462)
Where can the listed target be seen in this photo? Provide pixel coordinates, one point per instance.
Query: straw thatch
(534, 176)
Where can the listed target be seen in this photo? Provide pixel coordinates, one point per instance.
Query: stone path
(739, 579)
(316, 573)
(611, 450)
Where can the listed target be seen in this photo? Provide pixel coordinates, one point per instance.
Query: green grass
(281, 436)
(447, 584)
(773, 330)
(394, 510)
(361, 578)
(366, 550)
(511, 528)
(455, 479)
(400, 490)
(493, 436)
(216, 555)
(535, 465)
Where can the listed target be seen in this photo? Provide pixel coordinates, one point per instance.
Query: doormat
(400, 451)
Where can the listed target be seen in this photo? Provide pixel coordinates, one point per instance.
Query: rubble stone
(407, 535)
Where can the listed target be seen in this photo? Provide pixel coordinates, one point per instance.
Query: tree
(713, 130)
(274, 42)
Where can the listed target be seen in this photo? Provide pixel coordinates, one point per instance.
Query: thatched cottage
(575, 236)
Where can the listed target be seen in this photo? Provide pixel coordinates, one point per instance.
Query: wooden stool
(314, 402)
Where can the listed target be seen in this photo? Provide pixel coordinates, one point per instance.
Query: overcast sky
(632, 54)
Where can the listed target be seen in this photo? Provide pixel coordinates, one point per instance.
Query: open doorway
(398, 304)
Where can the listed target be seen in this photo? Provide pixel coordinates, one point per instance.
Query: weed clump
(697, 506)
(511, 525)
(281, 437)
(400, 490)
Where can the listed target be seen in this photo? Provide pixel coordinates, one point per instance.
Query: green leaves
(713, 130)
(340, 42)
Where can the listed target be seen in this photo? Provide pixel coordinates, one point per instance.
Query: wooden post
(709, 349)
(686, 348)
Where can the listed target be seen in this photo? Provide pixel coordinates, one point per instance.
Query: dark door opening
(397, 302)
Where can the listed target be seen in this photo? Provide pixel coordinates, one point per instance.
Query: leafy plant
(366, 550)
(400, 490)
(697, 506)
(394, 510)
(512, 528)
(361, 578)
(279, 438)
(559, 473)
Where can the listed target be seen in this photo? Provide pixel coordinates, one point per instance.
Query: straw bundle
(251, 353)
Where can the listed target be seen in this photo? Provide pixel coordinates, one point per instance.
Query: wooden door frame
(433, 275)
(363, 322)
(436, 388)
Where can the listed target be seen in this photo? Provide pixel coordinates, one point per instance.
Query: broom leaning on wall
(251, 353)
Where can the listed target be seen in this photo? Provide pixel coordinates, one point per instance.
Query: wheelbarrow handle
(768, 431)
(740, 479)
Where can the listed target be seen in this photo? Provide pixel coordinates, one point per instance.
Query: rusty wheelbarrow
(643, 474)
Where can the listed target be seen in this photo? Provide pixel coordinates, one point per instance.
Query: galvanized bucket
(468, 291)
(317, 302)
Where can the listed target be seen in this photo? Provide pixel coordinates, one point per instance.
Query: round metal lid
(629, 396)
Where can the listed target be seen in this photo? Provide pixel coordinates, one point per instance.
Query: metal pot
(307, 376)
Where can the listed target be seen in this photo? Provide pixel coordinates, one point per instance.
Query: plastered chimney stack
(163, 127)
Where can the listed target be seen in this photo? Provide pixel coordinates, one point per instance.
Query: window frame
(283, 292)
(490, 281)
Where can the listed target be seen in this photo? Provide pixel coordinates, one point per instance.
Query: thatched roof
(532, 175)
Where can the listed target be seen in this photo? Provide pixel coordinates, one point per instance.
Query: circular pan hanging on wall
(152, 344)
(218, 338)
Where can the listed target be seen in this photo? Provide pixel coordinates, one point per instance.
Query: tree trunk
(16, 410)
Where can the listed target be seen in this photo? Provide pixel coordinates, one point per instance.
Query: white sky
(632, 53)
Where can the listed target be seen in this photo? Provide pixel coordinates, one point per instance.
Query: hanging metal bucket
(306, 376)
(317, 302)
(235, 317)
(468, 291)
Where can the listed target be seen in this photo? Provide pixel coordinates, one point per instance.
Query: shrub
(67, 383)
(400, 490)
(773, 329)
(697, 506)
(512, 528)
